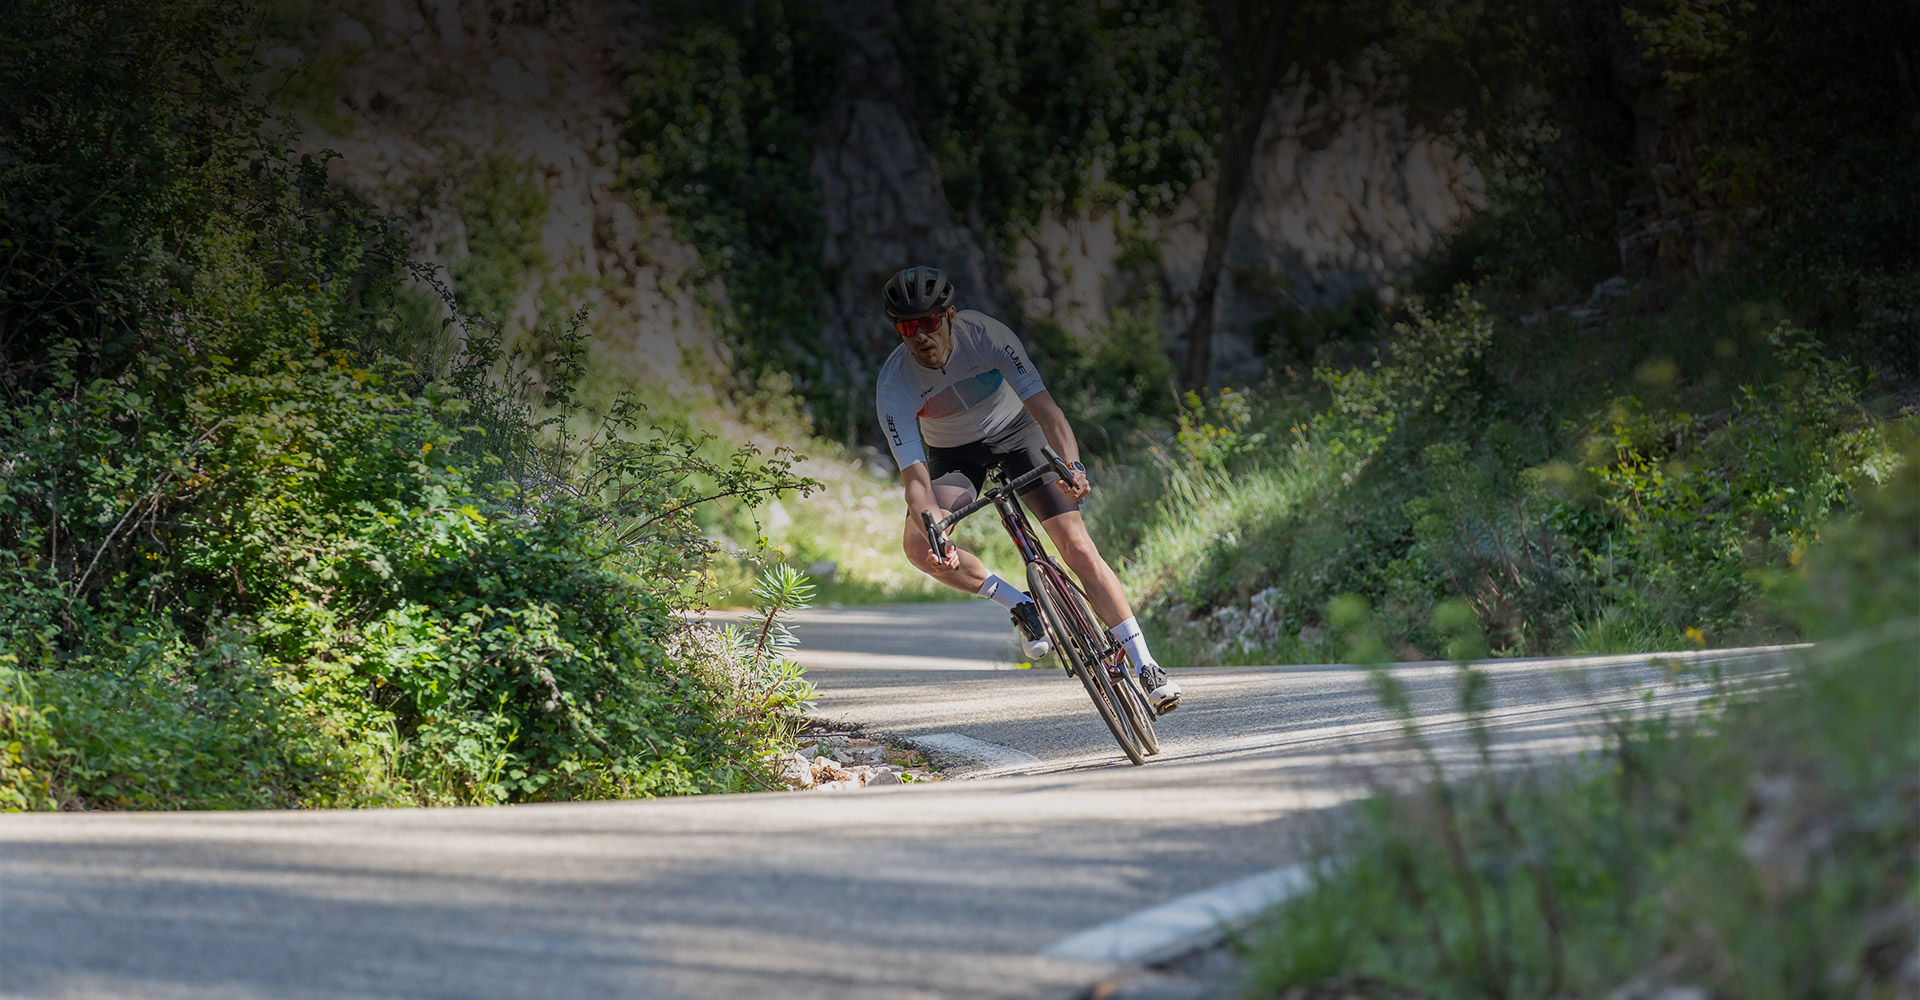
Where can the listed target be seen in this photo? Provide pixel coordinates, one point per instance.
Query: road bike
(1086, 649)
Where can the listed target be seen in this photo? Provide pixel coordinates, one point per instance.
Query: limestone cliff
(432, 102)
(1342, 196)
(482, 121)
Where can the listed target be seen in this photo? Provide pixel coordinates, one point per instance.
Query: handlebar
(937, 529)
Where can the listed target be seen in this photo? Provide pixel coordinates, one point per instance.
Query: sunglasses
(919, 325)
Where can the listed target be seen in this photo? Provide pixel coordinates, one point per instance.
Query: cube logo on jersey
(1019, 365)
(893, 432)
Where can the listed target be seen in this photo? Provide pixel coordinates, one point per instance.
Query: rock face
(1342, 196)
(881, 192)
(426, 95)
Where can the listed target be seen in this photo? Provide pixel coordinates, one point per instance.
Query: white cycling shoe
(1033, 637)
(1163, 694)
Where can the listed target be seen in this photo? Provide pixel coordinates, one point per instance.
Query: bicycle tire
(1131, 698)
(1133, 704)
(1074, 641)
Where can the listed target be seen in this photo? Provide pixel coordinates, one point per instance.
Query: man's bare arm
(1053, 423)
(919, 490)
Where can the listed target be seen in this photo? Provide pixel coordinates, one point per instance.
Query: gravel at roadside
(836, 761)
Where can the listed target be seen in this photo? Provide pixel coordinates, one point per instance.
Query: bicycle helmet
(917, 291)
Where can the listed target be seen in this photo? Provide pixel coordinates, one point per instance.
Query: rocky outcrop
(880, 189)
(1342, 196)
(420, 96)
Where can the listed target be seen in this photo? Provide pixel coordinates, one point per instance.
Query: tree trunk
(1239, 135)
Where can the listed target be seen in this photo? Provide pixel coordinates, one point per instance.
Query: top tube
(1054, 464)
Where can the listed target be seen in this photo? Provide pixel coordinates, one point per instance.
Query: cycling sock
(1002, 593)
(1129, 635)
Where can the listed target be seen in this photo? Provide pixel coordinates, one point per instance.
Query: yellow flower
(1699, 638)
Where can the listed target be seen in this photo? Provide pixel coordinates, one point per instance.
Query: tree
(1251, 37)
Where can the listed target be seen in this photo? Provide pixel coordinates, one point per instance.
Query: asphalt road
(950, 889)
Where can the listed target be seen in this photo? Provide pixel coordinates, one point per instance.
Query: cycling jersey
(978, 394)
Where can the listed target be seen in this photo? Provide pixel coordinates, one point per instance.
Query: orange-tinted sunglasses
(918, 325)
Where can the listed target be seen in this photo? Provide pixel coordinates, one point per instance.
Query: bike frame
(1005, 500)
(1100, 663)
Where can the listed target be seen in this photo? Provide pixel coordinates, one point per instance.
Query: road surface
(952, 889)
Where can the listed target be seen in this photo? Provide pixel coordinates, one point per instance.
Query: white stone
(795, 771)
(1615, 287)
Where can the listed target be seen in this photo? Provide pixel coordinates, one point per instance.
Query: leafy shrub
(252, 559)
(1213, 428)
(1432, 474)
(28, 750)
(724, 116)
(1019, 100)
(1764, 853)
(503, 208)
(1296, 335)
(1114, 382)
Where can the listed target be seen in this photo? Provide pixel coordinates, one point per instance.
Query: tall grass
(1468, 463)
(1765, 850)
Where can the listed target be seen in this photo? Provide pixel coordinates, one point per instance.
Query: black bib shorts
(959, 473)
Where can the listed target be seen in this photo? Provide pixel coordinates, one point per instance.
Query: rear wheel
(1079, 641)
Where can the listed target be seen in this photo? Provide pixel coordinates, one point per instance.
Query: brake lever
(1060, 466)
(936, 539)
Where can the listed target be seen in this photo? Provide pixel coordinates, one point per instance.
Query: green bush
(722, 135)
(252, 559)
(1454, 467)
(1019, 100)
(1116, 381)
(1764, 853)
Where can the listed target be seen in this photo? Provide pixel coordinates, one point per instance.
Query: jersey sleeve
(1011, 358)
(898, 421)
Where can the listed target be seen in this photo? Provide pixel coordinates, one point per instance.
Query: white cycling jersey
(976, 395)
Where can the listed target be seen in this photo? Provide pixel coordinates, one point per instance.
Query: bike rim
(1072, 639)
(1126, 691)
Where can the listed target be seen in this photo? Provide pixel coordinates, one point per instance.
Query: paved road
(945, 890)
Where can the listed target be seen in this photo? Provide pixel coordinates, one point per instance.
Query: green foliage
(1776, 136)
(1690, 518)
(1421, 384)
(1213, 429)
(249, 557)
(770, 683)
(503, 208)
(1019, 100)
(1460, 466)
(724, 116)
(1764, 854)
(1293, 334)
(1115, 381)
(28, 750)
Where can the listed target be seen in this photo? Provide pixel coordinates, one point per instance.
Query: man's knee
(914, 547)
(1079, 552)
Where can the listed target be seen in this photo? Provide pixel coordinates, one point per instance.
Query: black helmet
(917, 291)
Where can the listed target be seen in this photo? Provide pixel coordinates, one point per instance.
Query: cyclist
(959, 397)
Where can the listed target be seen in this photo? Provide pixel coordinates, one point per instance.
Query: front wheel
(1127, 692)
(1078, 639)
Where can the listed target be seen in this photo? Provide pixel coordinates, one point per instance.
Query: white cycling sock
(1129, 635)
(1002, 593)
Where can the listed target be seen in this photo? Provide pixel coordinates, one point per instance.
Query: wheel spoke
(1078, 638)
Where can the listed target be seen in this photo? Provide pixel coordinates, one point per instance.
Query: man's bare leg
(969, 575)
(1076, 548)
